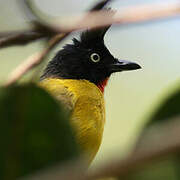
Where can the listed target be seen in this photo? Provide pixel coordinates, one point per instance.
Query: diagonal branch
(95, 19)
(33, 60)
(127, 16)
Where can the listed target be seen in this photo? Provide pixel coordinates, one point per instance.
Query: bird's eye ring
(95, 57)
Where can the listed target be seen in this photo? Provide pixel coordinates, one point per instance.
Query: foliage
(34, 131)
(167, 167)
(169, 107)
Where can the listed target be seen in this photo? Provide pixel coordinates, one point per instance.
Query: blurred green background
(129, 96)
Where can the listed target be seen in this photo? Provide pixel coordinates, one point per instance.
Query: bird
(76, 77)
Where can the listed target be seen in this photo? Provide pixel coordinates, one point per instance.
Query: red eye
(95, 57)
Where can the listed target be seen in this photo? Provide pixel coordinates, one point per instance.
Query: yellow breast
(86, 103)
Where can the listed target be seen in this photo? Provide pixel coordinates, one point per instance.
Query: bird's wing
(88, 119)
(60, 92)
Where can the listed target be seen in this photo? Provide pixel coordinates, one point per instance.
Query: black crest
(94, 35)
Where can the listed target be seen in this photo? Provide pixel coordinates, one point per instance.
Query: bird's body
(86, 103)
(76, 76)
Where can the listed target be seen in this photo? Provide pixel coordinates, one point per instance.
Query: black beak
(122, 65)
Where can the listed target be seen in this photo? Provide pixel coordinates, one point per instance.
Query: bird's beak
(123, 65)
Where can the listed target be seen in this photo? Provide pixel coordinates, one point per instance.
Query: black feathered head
(87, 58)
(94, 36)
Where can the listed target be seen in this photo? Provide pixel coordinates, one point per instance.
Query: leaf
(169, 108)
(159, 133)
(34, 131)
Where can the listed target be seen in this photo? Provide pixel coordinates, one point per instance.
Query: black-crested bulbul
(76, 76)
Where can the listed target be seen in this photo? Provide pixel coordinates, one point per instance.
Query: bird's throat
(101, 85)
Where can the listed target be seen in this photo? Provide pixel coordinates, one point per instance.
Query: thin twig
(33, 61)
(22, 38)
(38, 31)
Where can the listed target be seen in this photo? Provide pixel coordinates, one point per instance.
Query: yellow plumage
(86, 103)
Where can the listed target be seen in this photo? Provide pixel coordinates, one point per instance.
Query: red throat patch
(102, 84)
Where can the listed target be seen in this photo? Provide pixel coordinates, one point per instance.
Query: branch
(38, 31)
(33, 60)
(95, 19)
(16, 38)
(130, 15)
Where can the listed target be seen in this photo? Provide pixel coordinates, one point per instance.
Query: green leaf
(169, 108)
(169, 167)
(34, 131)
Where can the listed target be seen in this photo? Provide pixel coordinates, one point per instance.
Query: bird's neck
(101, 85)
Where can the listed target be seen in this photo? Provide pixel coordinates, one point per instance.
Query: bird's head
(87, 58)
